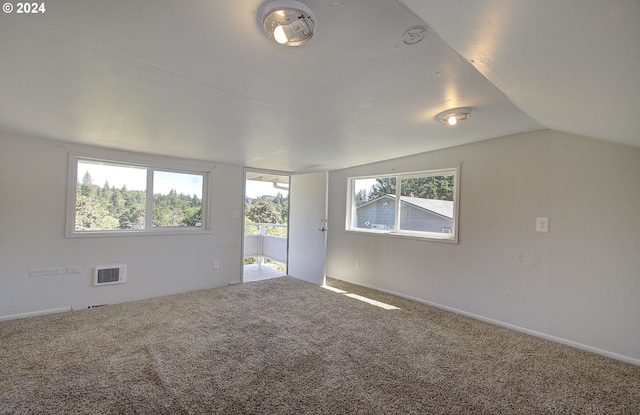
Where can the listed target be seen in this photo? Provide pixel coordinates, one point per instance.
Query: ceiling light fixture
(452, 117)
(288, 22)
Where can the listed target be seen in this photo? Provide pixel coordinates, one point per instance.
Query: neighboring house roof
(439, 207)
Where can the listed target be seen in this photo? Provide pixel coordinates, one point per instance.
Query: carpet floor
(283, 346)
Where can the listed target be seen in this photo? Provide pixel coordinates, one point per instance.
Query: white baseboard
(35, 313)
(555, 339)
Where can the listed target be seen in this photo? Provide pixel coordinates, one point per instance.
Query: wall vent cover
(110, 274)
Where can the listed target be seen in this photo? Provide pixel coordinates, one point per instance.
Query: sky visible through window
(256, 188)
(363, 184)
(136, 178)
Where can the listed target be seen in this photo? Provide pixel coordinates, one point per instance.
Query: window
(108, 197)
(422, 204)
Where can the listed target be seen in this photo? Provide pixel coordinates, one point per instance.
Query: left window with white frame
(114, 197)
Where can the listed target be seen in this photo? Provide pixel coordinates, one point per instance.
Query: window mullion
(148, 214)
(398, 194)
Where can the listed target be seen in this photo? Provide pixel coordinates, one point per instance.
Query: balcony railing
(264, 246)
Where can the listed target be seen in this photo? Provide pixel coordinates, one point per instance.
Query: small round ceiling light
(288, 22)
(451, 117)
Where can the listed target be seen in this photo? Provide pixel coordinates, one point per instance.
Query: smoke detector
(414, 35)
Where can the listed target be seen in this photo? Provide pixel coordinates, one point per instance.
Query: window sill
(422, 236)
(155, 232)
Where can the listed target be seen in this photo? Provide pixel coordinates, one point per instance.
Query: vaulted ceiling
(199, 79)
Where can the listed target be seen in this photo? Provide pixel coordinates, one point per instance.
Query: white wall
(578, 284)
(33, 187)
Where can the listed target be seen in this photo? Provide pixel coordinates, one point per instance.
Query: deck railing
(264, 246)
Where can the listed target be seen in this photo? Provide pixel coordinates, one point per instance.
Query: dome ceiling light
(288, 22)
(451, 117)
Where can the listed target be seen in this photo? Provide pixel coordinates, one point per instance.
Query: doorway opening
(266, 225)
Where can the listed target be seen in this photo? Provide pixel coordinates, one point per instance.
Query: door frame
(244, 208)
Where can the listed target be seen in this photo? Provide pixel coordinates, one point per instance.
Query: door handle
(323, 225)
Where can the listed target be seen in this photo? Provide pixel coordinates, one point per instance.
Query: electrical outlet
(37, 272)
(216, 264)
(74, 269)
(542, 225)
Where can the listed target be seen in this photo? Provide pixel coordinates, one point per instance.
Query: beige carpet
(287, 347)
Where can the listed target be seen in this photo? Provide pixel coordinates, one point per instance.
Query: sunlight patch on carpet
(362, 298)
(335, 290)
(373, 302)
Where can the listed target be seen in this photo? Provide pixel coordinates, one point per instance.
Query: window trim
(117, 160)
(420, 235)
